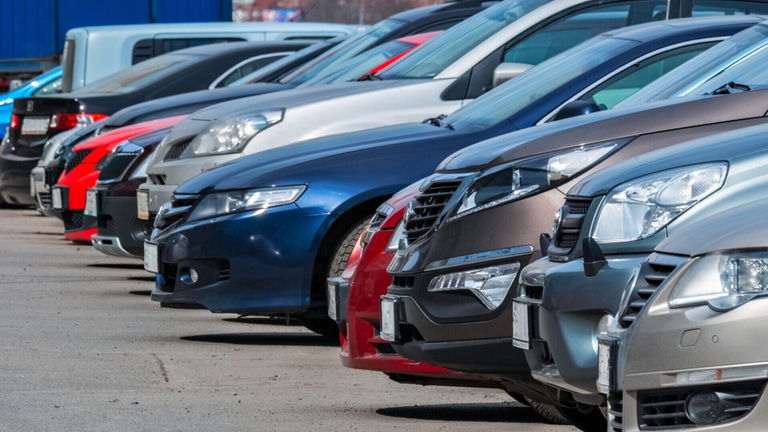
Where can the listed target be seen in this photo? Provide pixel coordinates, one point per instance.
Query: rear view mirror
(576, 108)
(506, 71)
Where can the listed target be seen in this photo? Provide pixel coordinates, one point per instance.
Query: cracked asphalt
(82, 348)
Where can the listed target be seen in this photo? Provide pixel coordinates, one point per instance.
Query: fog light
(490, 284)
(193, 276)
(704, 408)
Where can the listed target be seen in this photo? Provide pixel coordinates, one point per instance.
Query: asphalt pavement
(82, 348)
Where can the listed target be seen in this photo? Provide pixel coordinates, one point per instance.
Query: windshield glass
(138, 75)
(509, 98)
(362, 64)
(309, 52)
(433, 57)
(343, 52)
(741, 58)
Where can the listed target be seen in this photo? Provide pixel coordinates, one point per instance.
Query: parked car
(45, 84)
(716, 173)
(449, 303)
(438, 77)
(93, 53)
(348, 176)
(69, 195)
(707, 371)
(35, 120)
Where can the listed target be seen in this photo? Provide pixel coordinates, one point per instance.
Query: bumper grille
(572, 215)
(73, 220)
(45, 199)
(663, 409)
(176, 151)
(425, 208)
(117, 166)
(615, 412)
(654, 271)
(77, 158)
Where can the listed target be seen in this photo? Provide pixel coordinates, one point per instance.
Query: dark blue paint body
(273, 254)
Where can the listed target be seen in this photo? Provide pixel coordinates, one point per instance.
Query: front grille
(73, 220)
(117, 166)
(224, 272)
(572, 216)
(77, 158)
(179, 207)
(615, 412)
(653, 272)
(52, 174)
(403, 281)
(110, 228)
(45, 199)
(176, 151)
(157, 179)
(664, 409)
(426, 207)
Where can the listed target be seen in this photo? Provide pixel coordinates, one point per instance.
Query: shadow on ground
(138, 266)
(144, 293)
(262, 320)
(270, 339)
(490, 412)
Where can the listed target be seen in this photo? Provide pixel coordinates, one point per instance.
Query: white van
(91, 53)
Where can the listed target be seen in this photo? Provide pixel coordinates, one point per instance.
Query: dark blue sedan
(261, 235)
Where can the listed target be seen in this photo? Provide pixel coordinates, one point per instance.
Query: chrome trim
(480, 257)
(114, 249)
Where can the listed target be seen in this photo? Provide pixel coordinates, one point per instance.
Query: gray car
(708, 367)
(568, 298)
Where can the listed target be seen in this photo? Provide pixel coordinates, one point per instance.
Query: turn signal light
(67, 121)
(15, 123)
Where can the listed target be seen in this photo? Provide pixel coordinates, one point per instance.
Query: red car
(367, 279)
(82, 172)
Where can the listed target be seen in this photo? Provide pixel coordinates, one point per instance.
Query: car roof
(230, 47)
(660, 29)
(420, 38)
(418, 13)
(210, 27)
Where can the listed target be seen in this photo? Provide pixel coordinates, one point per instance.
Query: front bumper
(120, 232)
(246, 262)
(689, 340)
(566, 307)
(14, 179)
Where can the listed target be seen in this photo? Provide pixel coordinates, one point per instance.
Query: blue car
(45, 84)
(261, 235)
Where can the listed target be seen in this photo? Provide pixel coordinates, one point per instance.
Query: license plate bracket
(91, 203)
(142, 204)
(522, 324)
(390, 318)
(56, 199)
(151, 259)
(35, 125)
(338, 299)
(607, 349)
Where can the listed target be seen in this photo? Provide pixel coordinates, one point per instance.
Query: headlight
(529, 176)
(641, 207)
(141, 169)
(722, 280)
(490, 284)
(230, 135)
(222, 203)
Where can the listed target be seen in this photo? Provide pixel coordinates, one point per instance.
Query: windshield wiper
(370, 77)
(438, 122)
(731, 88)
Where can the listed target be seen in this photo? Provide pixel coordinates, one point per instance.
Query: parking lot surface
(83, 348)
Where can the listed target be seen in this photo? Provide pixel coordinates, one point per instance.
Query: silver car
(693, 357)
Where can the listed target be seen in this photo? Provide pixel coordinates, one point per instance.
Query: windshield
(741, 58)
(343, 52)
(433, 57)
(362, 64)
(309, 52)
(509, 98)
(139, 74)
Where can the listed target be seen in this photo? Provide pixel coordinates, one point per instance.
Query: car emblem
(558, 221)
(30, 106)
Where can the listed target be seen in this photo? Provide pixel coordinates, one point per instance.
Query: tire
(550, 413)
(587, 419)
(518, 398)
(316, 319)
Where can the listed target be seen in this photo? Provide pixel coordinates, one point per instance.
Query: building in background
(335, 11)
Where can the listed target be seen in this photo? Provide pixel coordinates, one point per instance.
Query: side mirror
(576, 108)
(506, 71)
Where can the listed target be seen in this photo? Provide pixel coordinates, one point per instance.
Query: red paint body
(367, 273)
(84, 176)
(415, 40)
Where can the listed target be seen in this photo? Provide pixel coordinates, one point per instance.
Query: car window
(578, 27)
(701, 8)
(52, 87)
(629, 81)
(362, 64)
(248, 67)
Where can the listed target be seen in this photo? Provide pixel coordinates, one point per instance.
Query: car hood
(295, 97)
(608, 125)
(187, 103)
(263, 168)
(732, 147)
(743, 227)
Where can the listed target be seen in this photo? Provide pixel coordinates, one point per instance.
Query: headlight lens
(222, 203)
(641, 207)
(490, 284)
(230, 135)
(528, 176)
(722, 280)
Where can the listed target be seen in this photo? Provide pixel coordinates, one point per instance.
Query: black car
(35, 120)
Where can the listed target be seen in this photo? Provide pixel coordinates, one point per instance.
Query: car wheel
(316, 319)
(548, 412)
(587, 419)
